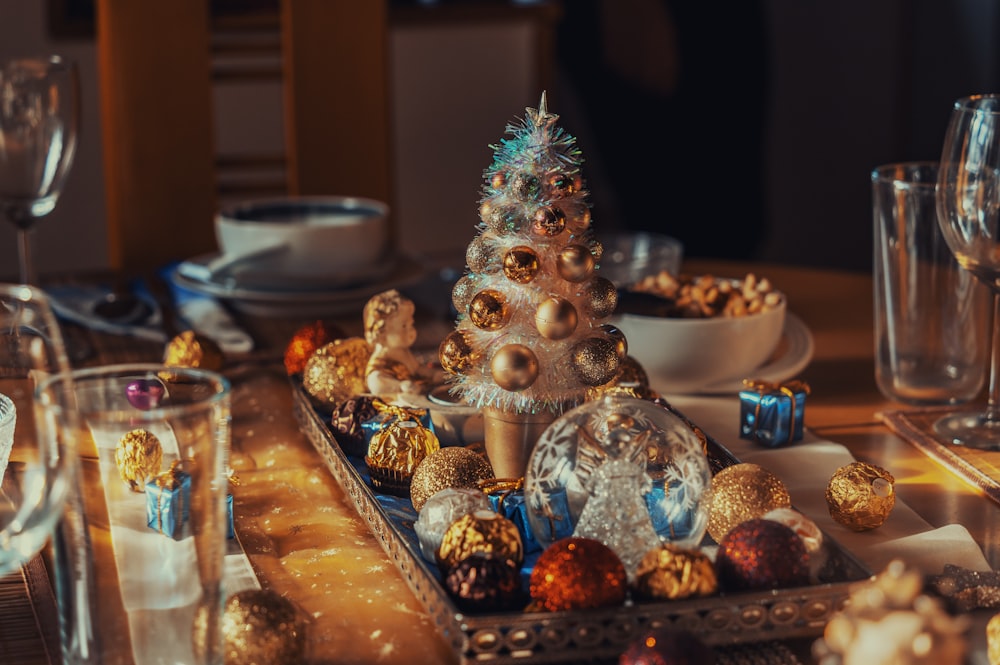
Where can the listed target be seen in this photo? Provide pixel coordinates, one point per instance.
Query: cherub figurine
(389, 329)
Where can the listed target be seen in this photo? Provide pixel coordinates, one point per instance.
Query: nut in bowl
(305, 237)
(691, 334)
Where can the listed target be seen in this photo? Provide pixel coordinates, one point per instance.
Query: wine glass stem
(993, 398)
(24, 256)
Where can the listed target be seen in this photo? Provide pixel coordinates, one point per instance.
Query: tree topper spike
(542, 117)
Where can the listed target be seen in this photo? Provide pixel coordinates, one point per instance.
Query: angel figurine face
(389, 321)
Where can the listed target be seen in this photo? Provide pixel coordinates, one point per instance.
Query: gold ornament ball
(668, 572)
(488, 310)
(556, 318)
(521, 264)
(455, 353)
(138, 455)
(514, 367)
(462, 292)
(450, 467)
(258, 626)
(560, 185)
(481, 532)
(615, 334)
(498, 180)
(189, 349)
(336, 371)
(742, 492)
(525, 186)
(602, 297)
(499, 219)
(549, 221)
(575, 263)
(481, 255)
(578, 220)
(860, 496)
(594, 361)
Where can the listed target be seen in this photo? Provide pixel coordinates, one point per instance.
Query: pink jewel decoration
(145, 393)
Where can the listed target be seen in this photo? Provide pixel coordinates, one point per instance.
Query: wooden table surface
(305, 539)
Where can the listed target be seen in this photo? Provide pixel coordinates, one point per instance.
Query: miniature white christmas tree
(531, 335)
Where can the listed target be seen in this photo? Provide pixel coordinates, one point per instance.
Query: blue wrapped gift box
(771, 414)
(168, 501)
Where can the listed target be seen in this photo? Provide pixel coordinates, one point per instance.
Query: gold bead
(602, 297)
(455, 353)
(514, 367)
(481, 255)
(556, 318)
(575, 263)
(594, 361)
(860, 496)
(742, 492)
(520, 264)
(561, 185)
(525, 186)
(549, 221)
(488, 310)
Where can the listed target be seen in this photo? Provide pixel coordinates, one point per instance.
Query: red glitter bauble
(307, 339)
(485, 584)
(668, 646)
(761, 554)
(577, 574)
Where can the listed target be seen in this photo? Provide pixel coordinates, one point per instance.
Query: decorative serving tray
(550, 637)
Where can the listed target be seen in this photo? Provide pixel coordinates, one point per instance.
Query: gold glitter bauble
(336, 371)
(525, 186)
(575, 263)
(556, 318)
(488, 310)
(602, 297)
(742, 492)
(394, 453)
(462, 292)
(482, 532)
(481, 255)
(303, 344)
(138, 456)
(520, 264)
(189, 349)
(577, 574)
(618, 337)
(560, 185)
(514, 367)
(594, 361)
(453, 467)
(668, 572)
(549, 221)
(455, 353)
(258, 626)
(860, 496)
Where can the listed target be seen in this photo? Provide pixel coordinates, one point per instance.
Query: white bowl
(688, 355)
(305, 236)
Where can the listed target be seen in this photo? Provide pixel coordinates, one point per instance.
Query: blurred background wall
(748, 129)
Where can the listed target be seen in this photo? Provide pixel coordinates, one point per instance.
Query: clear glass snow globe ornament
(621, 470)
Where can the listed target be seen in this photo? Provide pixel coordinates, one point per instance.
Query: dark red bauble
(668, 646)
(578, 574)
(761, 554)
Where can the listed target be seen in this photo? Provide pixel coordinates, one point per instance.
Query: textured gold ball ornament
(455, 353)
(488, 310)
(556, 318)
(594, 361)
(258, 626)
(462, 292)
(482, 532)
(514, 367)
(549, 221)
(575, 263)
(449, 467)
(481, 255)
(602, 297)
(860, 496)
(615, 334)
(560, 185)
(742, 492)
(335, 372)
(667, 572)
(525, 186)
(499, 219)
(521, 264)
(189, 349)
(138, 456)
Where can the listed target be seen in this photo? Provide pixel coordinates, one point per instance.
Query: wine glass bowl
(968, 206)
(39, 115)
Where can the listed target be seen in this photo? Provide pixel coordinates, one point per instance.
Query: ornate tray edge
(517, 638)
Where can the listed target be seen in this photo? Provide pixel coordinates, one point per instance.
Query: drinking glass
(968, 202)
(39, 114)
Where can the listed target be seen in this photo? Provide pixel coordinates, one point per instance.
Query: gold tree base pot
(510, 438)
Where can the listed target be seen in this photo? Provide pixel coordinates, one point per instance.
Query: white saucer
(793, 354)
(308, 300)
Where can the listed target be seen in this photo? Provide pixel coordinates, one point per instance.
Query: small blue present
(168, 501)
(509, 503)
(551, 520)
(771, 414)
(230, 526)
(386, 414)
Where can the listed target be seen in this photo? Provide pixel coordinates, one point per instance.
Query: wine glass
(968, 202)
(39, 114)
